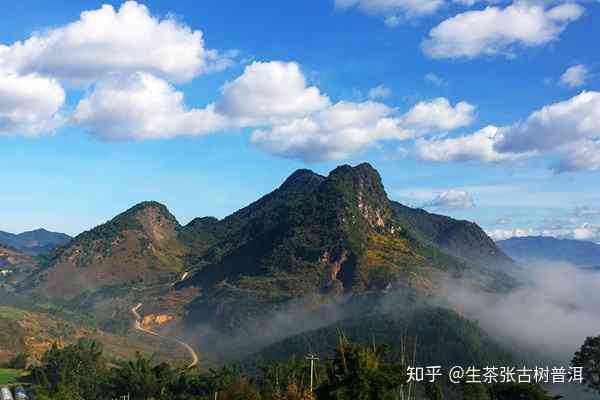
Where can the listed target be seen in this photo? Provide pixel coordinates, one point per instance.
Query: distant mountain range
(34, 242)
(540, 248)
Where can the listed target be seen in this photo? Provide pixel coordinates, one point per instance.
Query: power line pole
(312, 358)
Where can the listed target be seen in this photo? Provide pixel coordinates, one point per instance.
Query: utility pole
(312, 358)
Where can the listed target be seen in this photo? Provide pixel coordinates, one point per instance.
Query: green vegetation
(9, 375)
(588, 357)
(351, 372)
(318, 237)
(11, 313)
(441, 336)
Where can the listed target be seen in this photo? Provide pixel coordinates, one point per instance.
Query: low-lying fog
(557, 307)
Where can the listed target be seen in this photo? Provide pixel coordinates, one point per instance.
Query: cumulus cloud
(575, 76)
(29, 104)
(288, 117)
(555, 125)
(268, 92)
(393, 11)
(347, 127)
(141, 106)
(379, 92)
(569, 129)
(452, 199)
(582, 155)
(331, 134)
(496, 30)
(106, 41)
(438, 114)
(478, 146)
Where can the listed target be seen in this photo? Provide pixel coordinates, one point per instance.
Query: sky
(482, 110)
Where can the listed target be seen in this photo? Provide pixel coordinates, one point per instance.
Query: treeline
(354, 372)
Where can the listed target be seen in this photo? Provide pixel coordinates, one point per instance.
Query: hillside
(435, 336)
(34, 242)
(540, 248)
(34, 332)
(328, 236)
(462, 239)
(139, 246)
(315, 239)
(15, 266)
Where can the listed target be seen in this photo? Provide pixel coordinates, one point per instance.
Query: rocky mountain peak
(301, 181)
(363, 188)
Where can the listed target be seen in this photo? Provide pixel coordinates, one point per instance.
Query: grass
(8, 376)
(11, 313)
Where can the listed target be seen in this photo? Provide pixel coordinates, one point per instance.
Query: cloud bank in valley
(549, 316)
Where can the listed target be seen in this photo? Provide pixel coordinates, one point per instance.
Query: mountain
(34, 242)
(462, 239)
(138, 246)
(319, 236)
(314, 238)
(541, 248)
(14, 266)
(435, 336)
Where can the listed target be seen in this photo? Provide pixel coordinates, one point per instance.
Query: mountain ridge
(542, 248)
(34, 242)
(314, 236)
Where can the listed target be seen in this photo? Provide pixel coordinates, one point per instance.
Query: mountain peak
(363, 174)
(363, 180)
(300, 180)
(145, 205)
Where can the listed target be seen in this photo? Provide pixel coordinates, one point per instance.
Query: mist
(296, 317)
(549, 316)
(546, 319)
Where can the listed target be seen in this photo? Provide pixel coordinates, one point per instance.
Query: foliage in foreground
(354, 372)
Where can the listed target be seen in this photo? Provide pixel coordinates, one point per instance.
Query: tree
(360, 373)
(588, 358)
(142, 380)
(19, 361)
(77, 371)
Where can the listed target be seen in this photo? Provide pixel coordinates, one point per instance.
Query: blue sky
(92, 121)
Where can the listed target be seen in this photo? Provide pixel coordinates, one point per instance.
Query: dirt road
(138, 326)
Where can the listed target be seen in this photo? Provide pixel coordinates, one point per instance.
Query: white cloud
(585, 231)
(393, 11)
(331, 134)
(452, 199)
(575, 76)
(496, 30)
(268, 92)
(470, 3)
(106, 40)
(379, 92)
(346, 127)
(438, 115)
(29, 104)
(478, 146)
(581, 155)
(569, 129)
(141, 106)
(436, 80)
(555, 125)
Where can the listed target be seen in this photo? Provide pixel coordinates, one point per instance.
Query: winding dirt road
(138, 326)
